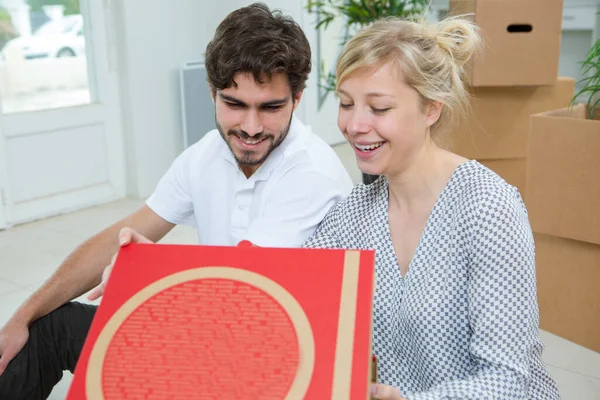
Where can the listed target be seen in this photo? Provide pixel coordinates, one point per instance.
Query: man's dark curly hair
(255, 40)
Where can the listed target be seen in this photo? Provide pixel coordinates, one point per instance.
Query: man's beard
(249, 157)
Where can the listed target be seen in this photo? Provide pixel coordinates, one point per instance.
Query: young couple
(455, 311)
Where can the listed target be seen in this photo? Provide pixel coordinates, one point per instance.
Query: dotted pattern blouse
(463, 322)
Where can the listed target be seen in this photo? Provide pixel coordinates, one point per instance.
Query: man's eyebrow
(276, 102)
(231, 99)
(270, 103)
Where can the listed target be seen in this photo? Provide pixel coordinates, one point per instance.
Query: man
(262, 176)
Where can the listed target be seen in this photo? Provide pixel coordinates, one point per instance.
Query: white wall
(156, 38)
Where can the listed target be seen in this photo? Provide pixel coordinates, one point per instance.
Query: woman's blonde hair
(431, 57)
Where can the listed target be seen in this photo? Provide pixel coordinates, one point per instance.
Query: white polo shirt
(280, 205)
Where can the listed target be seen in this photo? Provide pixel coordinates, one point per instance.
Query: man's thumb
(128, 235)
(138, 238)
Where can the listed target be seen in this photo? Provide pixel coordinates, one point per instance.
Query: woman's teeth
(368, 147)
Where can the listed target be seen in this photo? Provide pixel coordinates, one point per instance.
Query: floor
(31, 252)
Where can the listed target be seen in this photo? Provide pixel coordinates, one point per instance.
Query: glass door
(60, 119)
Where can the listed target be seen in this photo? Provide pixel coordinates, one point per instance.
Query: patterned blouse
(463, 322)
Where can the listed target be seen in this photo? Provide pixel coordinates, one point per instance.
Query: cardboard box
(521, 41)
(563, 182)
(563, 200)
(498, 124)
(568, 281)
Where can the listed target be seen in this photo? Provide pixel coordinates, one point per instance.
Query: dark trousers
(55, 342)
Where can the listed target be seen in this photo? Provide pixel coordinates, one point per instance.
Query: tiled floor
(30, 253)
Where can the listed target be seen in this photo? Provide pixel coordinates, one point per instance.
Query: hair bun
(458, 37)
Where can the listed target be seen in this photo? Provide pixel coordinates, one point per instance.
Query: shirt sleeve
(296, 206)
(172, 198)
(325, 236)
(502, 304)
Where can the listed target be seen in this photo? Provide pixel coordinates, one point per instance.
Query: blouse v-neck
(437, 206)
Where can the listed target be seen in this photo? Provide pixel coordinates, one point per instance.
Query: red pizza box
(203, 322)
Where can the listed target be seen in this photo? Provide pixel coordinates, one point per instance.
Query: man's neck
(249, 170)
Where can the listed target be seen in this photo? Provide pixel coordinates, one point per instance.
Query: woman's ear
(434, 112)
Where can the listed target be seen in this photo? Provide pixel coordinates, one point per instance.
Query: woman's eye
(380, 110)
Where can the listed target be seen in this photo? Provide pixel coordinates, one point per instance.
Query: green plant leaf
(590, 71)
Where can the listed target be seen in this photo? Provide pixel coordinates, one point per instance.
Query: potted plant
(590, 68)
(355, 14)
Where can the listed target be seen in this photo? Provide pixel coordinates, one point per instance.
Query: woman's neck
(421, 182)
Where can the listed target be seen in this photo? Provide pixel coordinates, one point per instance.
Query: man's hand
(385, 392)
(126, 236)
(13, 337)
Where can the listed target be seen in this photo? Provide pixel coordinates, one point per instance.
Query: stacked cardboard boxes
(552, 158)
(497, 130)
(515, 76)
(563, 198)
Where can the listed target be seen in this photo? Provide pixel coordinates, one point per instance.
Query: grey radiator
(197, 107)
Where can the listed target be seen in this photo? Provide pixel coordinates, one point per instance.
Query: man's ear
(434, 112)
(297, 99)
(213, 93)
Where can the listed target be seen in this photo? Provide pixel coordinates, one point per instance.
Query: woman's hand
(385, 392)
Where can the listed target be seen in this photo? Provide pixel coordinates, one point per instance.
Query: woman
(455, 309)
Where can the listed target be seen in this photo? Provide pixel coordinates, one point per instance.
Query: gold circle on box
(306, 344)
